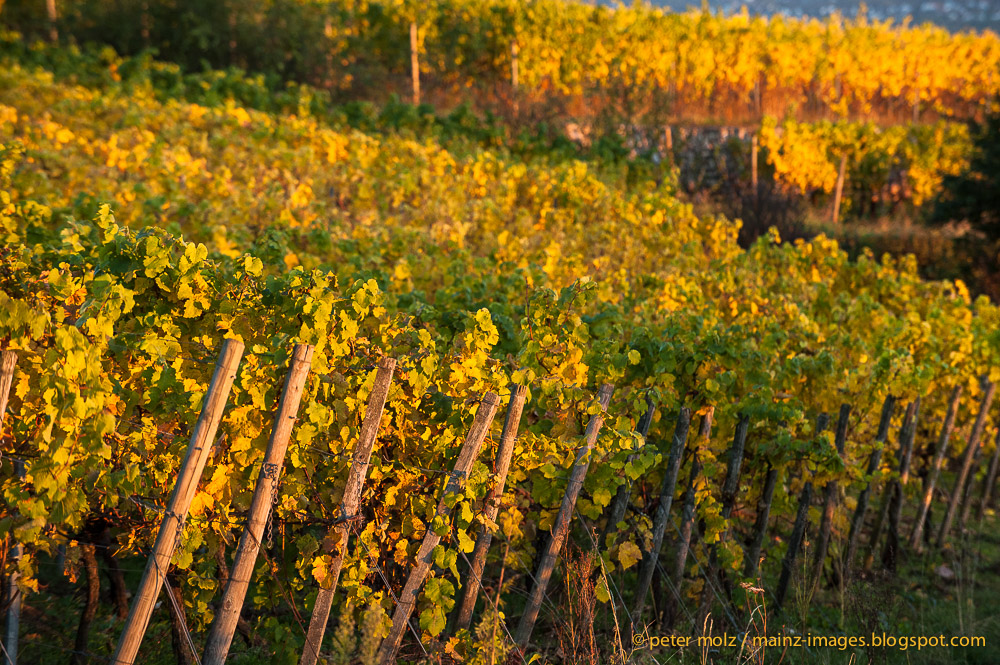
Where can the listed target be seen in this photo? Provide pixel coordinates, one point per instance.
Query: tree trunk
(183, 655)
(89, 560)
(119, 593)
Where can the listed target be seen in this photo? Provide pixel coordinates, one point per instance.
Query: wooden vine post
(839, 191)
(408, 597)
(967, 493)
(969, 455)
(8, 360)
(220, 635)
(349, 508)
(794, 544)
(668, 144)
(492, 506)
(751, 559)
(180, 501)
(889, 554)
(560, 528)
(415, 63)
(662, 516)
(619, 504)
(515, 76)
(53, 17)
(991, 479)
(858, 520)
(798, 529)
(729, 489)
(885, 500)
(13, 599)
(829, 502)
(915, 542)
(514, 68)
(687, 520)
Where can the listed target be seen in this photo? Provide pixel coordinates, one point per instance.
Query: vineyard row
(694, 62)
(350, 511)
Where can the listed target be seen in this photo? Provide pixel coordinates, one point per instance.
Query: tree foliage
(974, 194)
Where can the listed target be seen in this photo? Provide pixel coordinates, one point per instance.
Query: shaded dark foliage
(767, 206)
(974, 196)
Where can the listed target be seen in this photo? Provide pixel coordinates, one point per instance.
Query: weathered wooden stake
(349, 508)
(970, 452)
(887, 494)
(839, 192)
(991, 479)
(50, 10)
(829, 503)
(514, 69)
(668, 147)
(729, 488)
(967, 492)
(858, 520)
(220, 635)
(619, 504)
(560, 528)
(794, 544)
(687, 520)
(733, 466)
(13, 599)
(492, 505)
(415, 63)
(662, 516)
(408, 597)
(916, 543)
(180, 501)
(751, 559)
(798, 529)
(889, 554)
(885, 499)
(8, 360)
